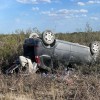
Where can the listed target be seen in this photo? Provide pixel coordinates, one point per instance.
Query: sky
(55, 15)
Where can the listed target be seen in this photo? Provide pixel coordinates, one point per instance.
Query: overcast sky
(57, 15)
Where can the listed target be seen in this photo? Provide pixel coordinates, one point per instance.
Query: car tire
(48, 37)
(94, 47)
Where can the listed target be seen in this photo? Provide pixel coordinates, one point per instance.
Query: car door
(62, 52)
(79, 54)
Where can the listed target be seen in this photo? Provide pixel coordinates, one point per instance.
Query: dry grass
(36, 87)
(78, 86)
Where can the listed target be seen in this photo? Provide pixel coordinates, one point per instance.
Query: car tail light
(37, 58)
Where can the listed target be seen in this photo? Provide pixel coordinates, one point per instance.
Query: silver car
(45, 52)
(48, 52)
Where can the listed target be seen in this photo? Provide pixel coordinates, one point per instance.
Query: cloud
(81, 3)
(88, 2)
(83, 11)
(34, 1)
(84, 15)
(93, 2)
(28, 1)
(48, 1)
(76, 16)
(94, 18)
(72, 11)
(65, 13)
(23, 1)
(35, 8)
(49, 13)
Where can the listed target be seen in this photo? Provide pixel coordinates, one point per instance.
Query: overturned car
(45, 51)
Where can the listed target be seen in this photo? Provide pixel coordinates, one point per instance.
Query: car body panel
(63, 51)
(46, 52)
(73, 52)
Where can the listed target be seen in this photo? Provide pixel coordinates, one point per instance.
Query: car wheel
(48, 37)
(94, 47)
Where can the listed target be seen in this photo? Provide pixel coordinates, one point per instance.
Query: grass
(37, 87)
(84, 84)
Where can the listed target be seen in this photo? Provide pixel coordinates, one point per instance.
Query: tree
(88, 28)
